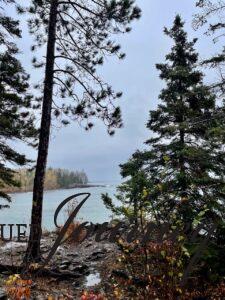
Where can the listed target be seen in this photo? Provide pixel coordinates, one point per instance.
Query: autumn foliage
(18, 288)
(91, 296)
(154, 271)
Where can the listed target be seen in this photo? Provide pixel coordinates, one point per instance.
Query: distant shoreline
(75, 186)
(88, 185)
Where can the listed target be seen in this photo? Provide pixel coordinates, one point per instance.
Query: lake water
(92, 211)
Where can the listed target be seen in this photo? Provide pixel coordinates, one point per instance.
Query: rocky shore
(86, 262)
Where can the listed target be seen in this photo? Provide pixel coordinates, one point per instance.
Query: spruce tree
(16, 120)
(188, 162)
(132, 193)
(77, 36)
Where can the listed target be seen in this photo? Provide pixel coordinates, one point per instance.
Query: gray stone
(89, 244)
(44, 248)
(81, 269)
(96, 255)
(73, 255)
(63, 267)
(66, 262)
(107, 249)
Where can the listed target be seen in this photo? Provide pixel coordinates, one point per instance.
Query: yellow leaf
(166, 158)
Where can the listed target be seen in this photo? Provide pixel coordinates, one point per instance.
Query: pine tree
(77, 37)
(16, 121)
(188, 163)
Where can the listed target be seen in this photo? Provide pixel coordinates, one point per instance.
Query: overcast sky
(94, 151)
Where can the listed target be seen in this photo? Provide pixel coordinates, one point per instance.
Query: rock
(75, 255)
(75, 262)
(81, 269)
(20, 251)
(107, 249)
(89, 244)
(96, 255)
(66, 262)
(60, 251)
(44, 248)
(99, 250)
(63, 267)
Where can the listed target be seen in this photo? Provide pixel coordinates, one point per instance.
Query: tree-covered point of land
(54, 179)
(67, 178)
(16, 118)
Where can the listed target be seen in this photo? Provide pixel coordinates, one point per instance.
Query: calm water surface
(93, 210)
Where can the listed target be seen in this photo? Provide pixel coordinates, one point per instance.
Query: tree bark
(33, 250)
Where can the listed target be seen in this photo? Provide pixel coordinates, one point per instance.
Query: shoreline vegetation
(55, 179)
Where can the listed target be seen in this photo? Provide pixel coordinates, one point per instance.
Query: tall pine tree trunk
(33, 249)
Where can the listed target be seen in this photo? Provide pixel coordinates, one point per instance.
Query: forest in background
(54, 179)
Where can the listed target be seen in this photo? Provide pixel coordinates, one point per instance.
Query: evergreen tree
(77, 35)
(132, 194)
(188, 161)
(16, 121)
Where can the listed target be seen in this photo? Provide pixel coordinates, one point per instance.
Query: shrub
(18, 288)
